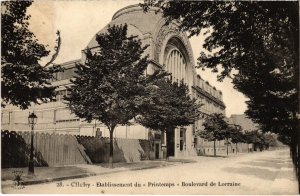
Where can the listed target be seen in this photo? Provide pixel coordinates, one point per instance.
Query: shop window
(181, 145)
(195, 141)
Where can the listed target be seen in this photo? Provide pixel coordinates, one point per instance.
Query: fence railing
(62, 149)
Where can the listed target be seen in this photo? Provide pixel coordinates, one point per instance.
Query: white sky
(79, 21)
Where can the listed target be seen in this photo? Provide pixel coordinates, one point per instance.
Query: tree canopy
(167, 104)
(236, 134)
(258, 39)
(256, 138)
(110, 86)
(215, 128)
(24, 80)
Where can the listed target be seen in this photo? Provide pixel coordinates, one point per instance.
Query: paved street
(268, 172)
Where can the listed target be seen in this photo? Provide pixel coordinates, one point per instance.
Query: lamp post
(32, 119)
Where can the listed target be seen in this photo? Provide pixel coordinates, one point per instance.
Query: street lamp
(32, 119)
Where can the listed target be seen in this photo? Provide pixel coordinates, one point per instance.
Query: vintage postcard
(150, 97)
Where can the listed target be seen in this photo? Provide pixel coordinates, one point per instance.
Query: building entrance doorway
(170, 143)
(182, 145)
(156, 151)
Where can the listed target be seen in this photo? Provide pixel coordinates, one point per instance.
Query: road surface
(258, 173)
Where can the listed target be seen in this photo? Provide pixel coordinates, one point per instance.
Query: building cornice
(69, 64)
(209, 96)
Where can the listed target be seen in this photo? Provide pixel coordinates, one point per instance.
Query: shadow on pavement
(269, 164)
(271, 159)
(265, 174)
(267, 169)
(208, 155)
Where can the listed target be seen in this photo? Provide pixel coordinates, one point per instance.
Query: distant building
(169, 49)
(241, 119)
(246, 124)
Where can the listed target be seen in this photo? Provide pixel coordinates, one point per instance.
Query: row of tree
(112, 87)
(216, 128)
(256, 38)
(260, 40)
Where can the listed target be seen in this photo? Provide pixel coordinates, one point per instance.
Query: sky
(79, 21)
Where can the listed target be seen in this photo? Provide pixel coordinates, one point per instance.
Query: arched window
(176, 65)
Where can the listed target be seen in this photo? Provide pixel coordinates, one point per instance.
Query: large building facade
(169, 49)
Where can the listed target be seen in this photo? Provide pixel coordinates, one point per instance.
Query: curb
(32, 182)
(149, 167)
(48, 180)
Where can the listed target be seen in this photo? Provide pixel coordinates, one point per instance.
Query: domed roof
(151, 28)
(139, 22)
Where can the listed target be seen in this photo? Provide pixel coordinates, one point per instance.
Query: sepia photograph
(150, 97)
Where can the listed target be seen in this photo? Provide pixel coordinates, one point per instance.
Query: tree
(270, 140)
(247, 138)
(256, 138)
(110, 85)
(24, 80)
(236, 136)
(258, 39)
(227, 135)
(168, 105)
(215, 128)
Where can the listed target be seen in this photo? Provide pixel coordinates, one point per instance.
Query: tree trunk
(227, 147)
(166, 144)
(298, 159)
(296, 42)
(215, 154)
(111, 148)
(236, 145)
(294, 150)
(297, 155)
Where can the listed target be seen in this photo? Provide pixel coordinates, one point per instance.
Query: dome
(139, 23)
(152, 29)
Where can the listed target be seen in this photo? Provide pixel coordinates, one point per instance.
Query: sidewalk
(50, 174)
(286, 180)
